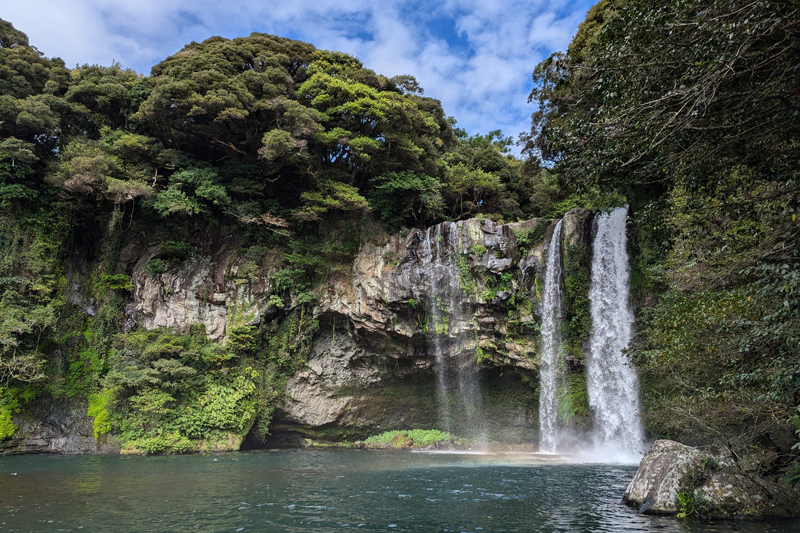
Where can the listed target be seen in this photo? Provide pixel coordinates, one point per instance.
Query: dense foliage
(294, 150)
(691, 110)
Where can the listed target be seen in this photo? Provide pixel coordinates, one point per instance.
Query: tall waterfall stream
(551, 345)
(612, 382)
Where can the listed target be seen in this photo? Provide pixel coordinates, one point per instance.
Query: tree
(406, 198)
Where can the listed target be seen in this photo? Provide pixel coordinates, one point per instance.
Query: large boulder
(677, 479)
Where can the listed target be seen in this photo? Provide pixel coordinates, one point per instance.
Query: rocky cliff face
(59, 426)
(385, 331)
(370, 366)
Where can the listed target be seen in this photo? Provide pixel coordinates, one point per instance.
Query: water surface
(325, 490)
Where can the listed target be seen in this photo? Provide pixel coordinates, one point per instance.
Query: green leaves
(101, 418)
(406, 197)
(167, 384)
(174, 201)
(333, 195)
(654, 94)
(192, 191)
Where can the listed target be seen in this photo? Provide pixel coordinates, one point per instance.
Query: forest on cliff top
(687, 110)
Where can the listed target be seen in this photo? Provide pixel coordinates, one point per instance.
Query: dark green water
(324, 490)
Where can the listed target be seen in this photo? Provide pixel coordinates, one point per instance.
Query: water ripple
(376, 490)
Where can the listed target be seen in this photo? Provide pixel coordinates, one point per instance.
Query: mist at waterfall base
(617, 435)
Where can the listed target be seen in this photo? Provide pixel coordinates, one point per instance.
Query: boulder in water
(674, 479)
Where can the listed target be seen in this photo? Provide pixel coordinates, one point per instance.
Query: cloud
(475, 56)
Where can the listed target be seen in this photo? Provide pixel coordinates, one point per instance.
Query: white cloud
(483, 80)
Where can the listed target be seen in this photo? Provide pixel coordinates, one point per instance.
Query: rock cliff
(59, 426)
(369, 366)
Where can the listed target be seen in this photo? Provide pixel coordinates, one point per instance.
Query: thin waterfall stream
(551, 345)
(612, 381)
(444, 304)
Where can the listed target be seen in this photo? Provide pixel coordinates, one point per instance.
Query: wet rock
(574, 364)
(129, 320)
(503, 295)
(178, 298)
(578, 226)
(674, 478)
(376, 311)
(57, 426)
(528, 268)
(219, 298)
(199, 290)
(130, 254)
(313, 394)
(91, 309)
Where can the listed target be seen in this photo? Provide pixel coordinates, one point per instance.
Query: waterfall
(551, 346)
(612, 382)
(443, 299)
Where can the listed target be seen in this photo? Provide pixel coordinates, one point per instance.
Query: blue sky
(476, 56)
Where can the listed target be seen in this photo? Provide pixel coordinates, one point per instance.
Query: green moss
(477, 250)
(684, 503)
(573, 401)
(688, 501)
(11, 400)
(578, 320)
(466, 279)
(529, 238)
(98, 411)
(7, 425)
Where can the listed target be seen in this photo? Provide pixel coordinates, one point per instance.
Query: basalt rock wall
(369, 366)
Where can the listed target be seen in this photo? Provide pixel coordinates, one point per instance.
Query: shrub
(421, 437)
(117, 282)
(155, 267)
(100, 415)
(7, 426)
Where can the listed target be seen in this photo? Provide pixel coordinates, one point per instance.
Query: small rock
(92, 309)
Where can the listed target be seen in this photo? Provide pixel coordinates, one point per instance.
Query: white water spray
(612, 382)
(551, 346)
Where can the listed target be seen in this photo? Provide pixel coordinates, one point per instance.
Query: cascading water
(551, 346)
(441, 293)
(612, 382)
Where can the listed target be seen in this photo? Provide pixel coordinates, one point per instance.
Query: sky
(476, 56)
